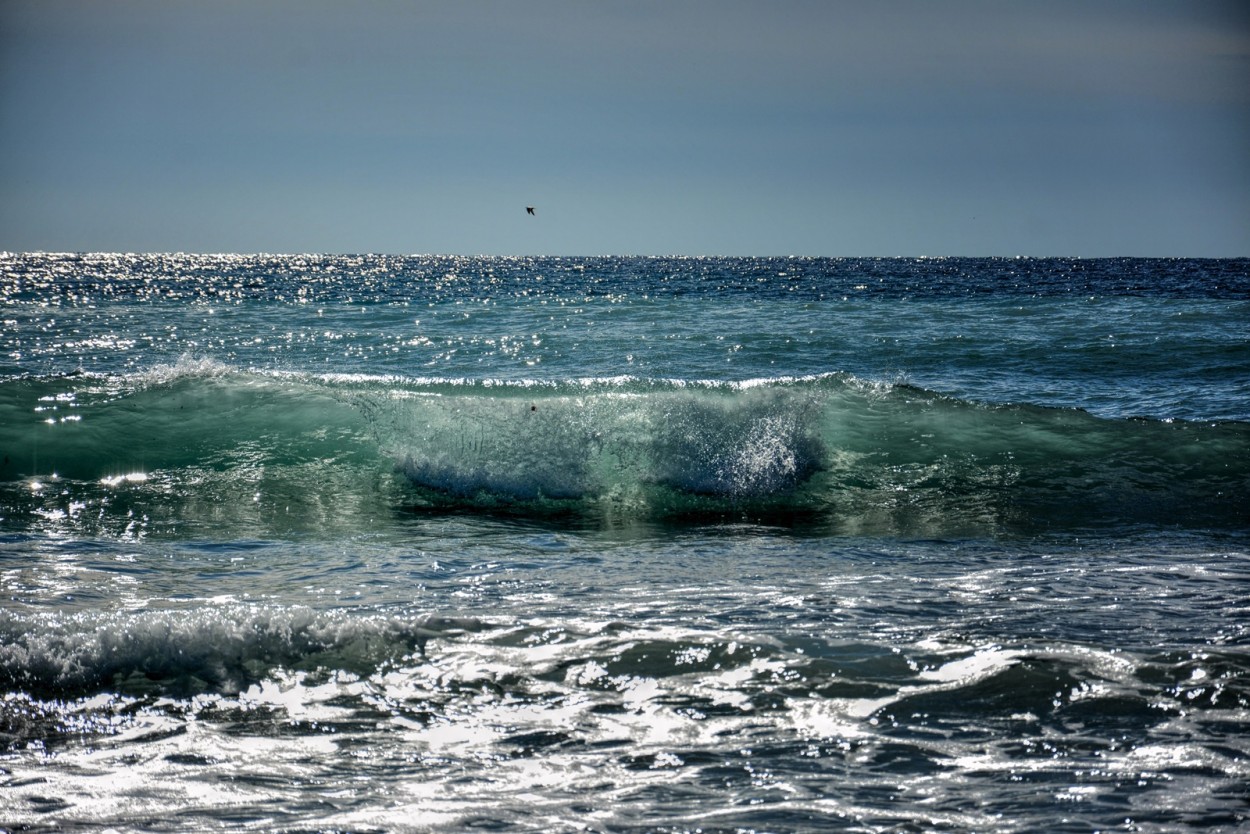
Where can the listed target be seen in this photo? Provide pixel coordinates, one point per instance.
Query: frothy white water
(559, 725)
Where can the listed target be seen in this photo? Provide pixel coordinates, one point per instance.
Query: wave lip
(755, 451)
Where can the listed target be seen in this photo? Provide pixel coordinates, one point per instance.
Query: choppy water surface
(618, 544)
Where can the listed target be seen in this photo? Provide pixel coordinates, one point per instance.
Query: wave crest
(735, 443)
(180, 442)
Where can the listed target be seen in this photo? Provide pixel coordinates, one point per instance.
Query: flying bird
(530, 210)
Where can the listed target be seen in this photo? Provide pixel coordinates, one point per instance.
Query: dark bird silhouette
(530, 210)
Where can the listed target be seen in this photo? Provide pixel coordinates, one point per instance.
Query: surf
(857, 454)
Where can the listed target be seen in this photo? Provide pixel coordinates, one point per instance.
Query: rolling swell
(851, 454)
(193, 413)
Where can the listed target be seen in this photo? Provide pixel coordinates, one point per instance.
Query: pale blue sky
(881, 127)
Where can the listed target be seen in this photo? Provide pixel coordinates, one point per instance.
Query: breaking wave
(221, 648)
(856, 454)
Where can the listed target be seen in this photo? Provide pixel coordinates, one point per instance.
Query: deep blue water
(366, 543)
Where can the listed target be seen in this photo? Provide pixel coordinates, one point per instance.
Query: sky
(651, 127)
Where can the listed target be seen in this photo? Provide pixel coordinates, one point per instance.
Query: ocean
(624, 544)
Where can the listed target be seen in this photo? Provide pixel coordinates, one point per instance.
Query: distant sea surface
(404, 544)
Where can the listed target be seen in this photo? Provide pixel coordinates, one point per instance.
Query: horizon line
(379, 254)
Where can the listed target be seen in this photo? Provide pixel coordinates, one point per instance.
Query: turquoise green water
(402, 544)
